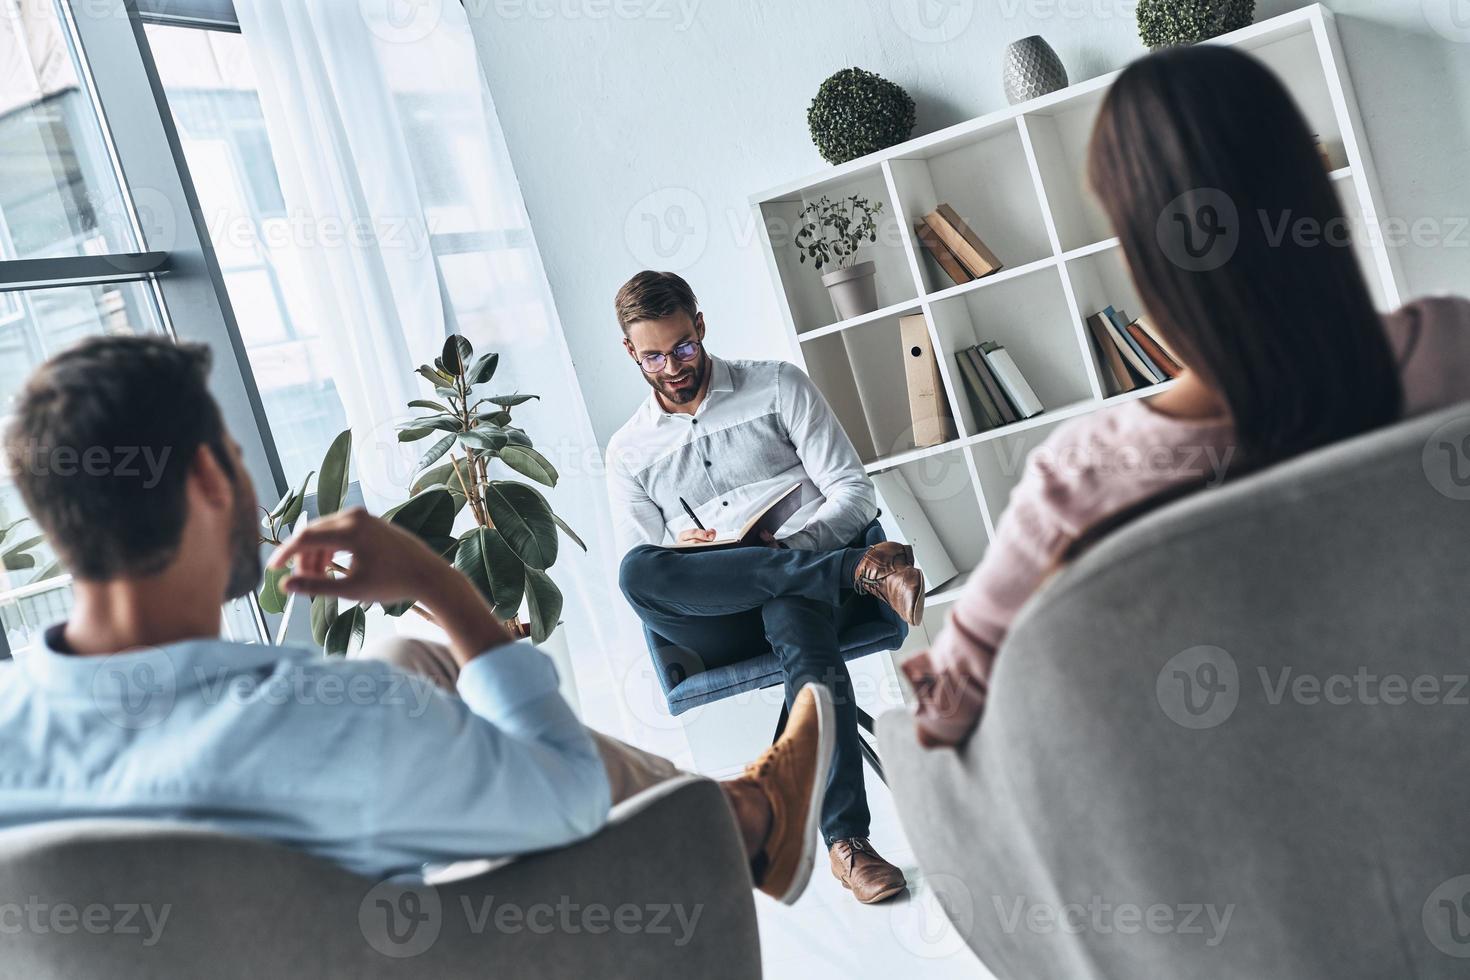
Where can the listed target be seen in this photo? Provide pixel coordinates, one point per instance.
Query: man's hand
(388, 564)
(694, 535)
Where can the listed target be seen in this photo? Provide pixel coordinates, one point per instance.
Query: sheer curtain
(411, 224)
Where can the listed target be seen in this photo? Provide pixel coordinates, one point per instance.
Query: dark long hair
(1240, 251)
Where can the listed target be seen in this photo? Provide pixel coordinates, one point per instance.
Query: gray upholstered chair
(663, 890)
(1199, 716)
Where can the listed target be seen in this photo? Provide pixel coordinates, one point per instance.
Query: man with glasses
(713, 443)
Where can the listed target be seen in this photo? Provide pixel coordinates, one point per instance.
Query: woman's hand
(948, 707)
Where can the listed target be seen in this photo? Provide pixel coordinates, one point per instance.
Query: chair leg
(871, 754)
(866, 720)
(781, 723)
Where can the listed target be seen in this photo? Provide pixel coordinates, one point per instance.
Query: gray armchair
(664, 888)
(1229, 742)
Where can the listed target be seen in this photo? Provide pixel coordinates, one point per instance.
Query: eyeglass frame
(663, 356)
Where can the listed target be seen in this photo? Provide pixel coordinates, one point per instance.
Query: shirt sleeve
(636, 519)
(503, 769)
(828, 456)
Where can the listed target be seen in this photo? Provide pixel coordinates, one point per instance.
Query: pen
(690, 511)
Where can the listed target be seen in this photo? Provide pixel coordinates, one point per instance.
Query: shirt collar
(721, 379)
(170, 668)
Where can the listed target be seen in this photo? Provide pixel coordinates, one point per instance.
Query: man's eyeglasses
(683, 352)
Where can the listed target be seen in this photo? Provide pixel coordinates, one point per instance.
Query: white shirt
(762, 426)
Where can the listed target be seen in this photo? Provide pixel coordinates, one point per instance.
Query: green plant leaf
(5, 531)
(435, 451)
(414, 434)
(484, 368)
(430, 405)
(348, 627)
(292, 512)
(545, 600)
(323, 614)
(511, 401)
(397, 608)
(517, 437)
(524, 519)
(449, 393)
(486, 560)
(440, 423)
(567, 530)
(272, 599)
(484, 439)
(17, 561)
(456, 351)
(429, 514)
(50, 571)
(528, 462)
(331, 488)
(433, 376)
(498, 417)
(440, 476)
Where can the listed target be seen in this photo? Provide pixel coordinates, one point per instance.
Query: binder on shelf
(913, 526)
(1114, 368)
(928, 406)
(941, 253)
(962, 240)
(1012, 381)
(992, 386)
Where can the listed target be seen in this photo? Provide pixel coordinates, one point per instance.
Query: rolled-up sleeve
(830, 460)
(503, 769)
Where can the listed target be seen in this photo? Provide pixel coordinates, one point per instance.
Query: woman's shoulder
(1431, 342)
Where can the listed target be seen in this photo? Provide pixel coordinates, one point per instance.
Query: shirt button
(694, 421)
(708, 463)
(724, 503)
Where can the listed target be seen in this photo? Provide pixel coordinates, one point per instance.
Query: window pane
(210, 87)
(58, 192)
(34, 324)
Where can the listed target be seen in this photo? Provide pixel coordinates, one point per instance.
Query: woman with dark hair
(1208, 173)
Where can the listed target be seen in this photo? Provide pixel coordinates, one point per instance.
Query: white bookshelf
(1016, 177)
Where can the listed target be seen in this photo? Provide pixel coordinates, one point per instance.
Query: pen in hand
(692, 516)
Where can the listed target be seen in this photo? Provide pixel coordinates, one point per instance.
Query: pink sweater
(1097, 465)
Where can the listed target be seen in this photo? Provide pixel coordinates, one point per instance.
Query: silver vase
(1032, 69)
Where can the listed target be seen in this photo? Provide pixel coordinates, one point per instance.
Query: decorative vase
(854, 290)
(1032, 69)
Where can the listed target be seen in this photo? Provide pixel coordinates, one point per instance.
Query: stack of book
(1132, 352)
(957, 249)
(998, 390)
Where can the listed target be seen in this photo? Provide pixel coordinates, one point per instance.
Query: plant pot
(1032, 70)
(854, 290)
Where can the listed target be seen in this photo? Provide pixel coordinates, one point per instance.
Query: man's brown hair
(652, 296)
(101, 444)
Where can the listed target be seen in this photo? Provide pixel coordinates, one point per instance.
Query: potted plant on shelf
(830, 234)
(513, 540)
(1169, 23)
(856, 112)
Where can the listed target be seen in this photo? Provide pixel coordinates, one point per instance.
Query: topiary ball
(856, 113)
(1167, 23)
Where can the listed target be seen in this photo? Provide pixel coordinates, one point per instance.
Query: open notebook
(776, 512)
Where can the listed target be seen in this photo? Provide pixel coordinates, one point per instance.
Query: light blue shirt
(352, 760)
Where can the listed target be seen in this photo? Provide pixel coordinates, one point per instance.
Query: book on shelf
(942, 253)
(1115, 370)
(1158, 338)
(995, 394)
(1155, 352)
(928, 405)
(987, 414)
(967, 246)
(1129, 348)
(1012, 381)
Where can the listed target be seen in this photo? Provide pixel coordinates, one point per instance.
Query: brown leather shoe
(793, 776)
(887, 571)
(870, 878)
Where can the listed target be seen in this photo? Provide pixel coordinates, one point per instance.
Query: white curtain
(411, 226)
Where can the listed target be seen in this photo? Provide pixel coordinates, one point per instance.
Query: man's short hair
(101, 444)
(652, 296)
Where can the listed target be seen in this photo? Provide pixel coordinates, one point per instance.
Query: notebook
(776, 512)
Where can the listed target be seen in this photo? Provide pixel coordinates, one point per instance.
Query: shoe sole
(881, 896)
(914, 615)
(826, 744)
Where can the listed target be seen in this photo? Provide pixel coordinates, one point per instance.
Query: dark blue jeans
(725, 606)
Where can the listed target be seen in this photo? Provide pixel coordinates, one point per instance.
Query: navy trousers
(722, 606)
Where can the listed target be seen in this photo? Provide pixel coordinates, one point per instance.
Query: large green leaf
(484, 368)
(323, 614)
(414, 434)
(498, 417)
(528, 462)
(272, 599)
(486, 560)
(430, 405)
(484, 439)
(511, 401)
(433, 376)
(524, 520)
(440, 476)
(435, 451)
(517, 437)
(429, 514)
(348, 627)
(15, 561)
(293, 509)
(50, 571)
(456, 351)
(567, 530)
(545, 601)
(331, 487)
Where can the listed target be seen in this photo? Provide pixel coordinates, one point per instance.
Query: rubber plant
(471, 463)
(20, 555)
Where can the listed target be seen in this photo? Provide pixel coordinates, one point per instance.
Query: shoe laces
(851, 847)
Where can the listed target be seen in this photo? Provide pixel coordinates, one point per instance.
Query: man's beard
(245, 565)
(699, 371)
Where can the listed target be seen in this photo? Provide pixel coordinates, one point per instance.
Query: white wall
(639, 128)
